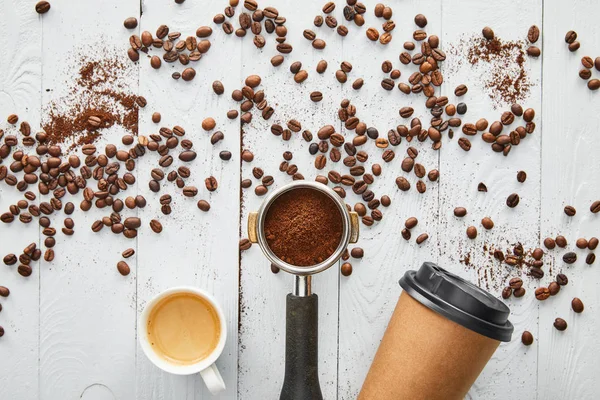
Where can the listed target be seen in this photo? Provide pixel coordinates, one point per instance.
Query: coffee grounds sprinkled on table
(303, 227)
(99, 92)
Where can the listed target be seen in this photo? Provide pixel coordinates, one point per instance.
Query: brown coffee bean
(188, 74)
(156, 226)
(593, 84)
(211, 183)
(245, 244)
(527, 338)
(487, 223)
(593, 243)
(411, 222)
(581, 243)
(549, 243)
(128, 253)
(562, 279)
(464, 144)
(471, 232)
(577, 305)
(512, 200)
(461, 90)
(506, 293)
(560, 324)
(42, 7)
(24, 270)
(123, 268)
(570, 37)
(570, 211)
(515, 283)
(542, 293)
(487, 33)
(590, 259)
(534, 51)
(372, 34)
(130, 23)
(460, 212)
(533, 34)
(346, 269)
(570, 257)
(422, 237)
(553, 288)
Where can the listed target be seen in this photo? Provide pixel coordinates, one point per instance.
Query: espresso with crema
(184, 328)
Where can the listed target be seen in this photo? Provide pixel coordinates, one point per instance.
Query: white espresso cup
(206, 367)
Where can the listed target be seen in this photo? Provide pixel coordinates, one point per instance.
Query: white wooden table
(71, 326)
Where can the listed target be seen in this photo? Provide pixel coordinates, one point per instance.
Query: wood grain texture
(87, 309)
(262, 304)
(20, 82)
(461, 173)
(71, 327)
(368, 297)
(570, 176)
(195, 248)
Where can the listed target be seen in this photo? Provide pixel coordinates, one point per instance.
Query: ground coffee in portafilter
(303, 227)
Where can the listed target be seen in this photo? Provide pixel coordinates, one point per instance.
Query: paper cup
(441, 335)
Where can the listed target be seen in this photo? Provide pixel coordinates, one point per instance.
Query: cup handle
(213, 380)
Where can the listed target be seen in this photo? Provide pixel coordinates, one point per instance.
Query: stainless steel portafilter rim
(299, 270)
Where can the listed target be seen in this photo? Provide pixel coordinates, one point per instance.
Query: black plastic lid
(459, 301)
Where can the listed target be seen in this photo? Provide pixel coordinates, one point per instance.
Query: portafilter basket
(301, 380)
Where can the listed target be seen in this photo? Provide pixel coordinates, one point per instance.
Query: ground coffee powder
(303, 227)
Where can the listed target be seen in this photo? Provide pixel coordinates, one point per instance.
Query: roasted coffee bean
(570, 257)
(527, 338)
(512, 200)
(506, 293)
(411, 222)
(593, 243)
(42, 7)
(533, 34)
(487, 223)
(24, 270)
(316, 96)
(211, 183)
(595, 207)
(422, 237)
(581, 243)
(487, 33)
(549, 243)
(346, 269)
(402, 183)
(562, 279)
(577, 305)
(471, 232)
(123, 268)
(590, 259)
(464, 143)
(515, 283)
(561, 241)
(560, 324)
(554, 288)
(156, 226)
(542, 293)
(570, 211)
(535, 272)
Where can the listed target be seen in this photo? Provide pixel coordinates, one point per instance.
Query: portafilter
(301, 381)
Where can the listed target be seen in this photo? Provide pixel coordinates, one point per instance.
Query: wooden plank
(570, 172)
(262, 332)
(461, 173)
(87, 309)
(195, 248)
(20, 82)
(369, 295)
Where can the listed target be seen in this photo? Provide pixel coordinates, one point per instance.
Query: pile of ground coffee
(99, 91)
(303, 227)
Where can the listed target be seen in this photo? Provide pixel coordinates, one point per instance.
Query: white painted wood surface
(71, 326)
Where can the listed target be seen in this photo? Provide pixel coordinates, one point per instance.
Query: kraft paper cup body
(425, 355)
(206, 367)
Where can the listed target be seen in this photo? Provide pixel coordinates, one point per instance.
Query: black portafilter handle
(301, 380)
